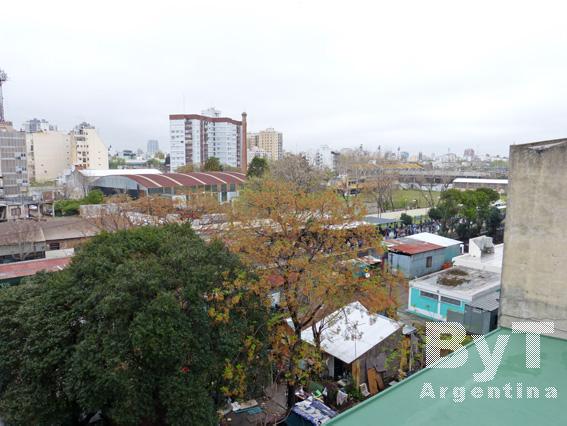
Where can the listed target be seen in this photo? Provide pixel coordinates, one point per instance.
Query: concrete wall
(534, 276)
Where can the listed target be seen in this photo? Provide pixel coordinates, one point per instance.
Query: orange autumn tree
(298, 244)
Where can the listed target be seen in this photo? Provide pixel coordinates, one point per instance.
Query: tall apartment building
(269, 141)
(49, 154)
(37, 125)
(88, 150)
(13, 161)
(152, 148)
(196, 137)
(322, 157)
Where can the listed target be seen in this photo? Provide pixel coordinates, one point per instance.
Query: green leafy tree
(465, 213)
(139, 329)
(258, 167)
(116, 162)
(187, 168)
(153, 162)
(94, 196)
(212, 165)
(71, 207)
(406, 219)
(434, 213)
(494, 222)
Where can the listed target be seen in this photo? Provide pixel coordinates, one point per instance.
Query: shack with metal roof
(421, 254)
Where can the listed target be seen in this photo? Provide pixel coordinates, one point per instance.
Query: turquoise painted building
(453, 292)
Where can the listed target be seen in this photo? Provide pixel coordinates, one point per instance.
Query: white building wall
(50, 153)
(177, 143)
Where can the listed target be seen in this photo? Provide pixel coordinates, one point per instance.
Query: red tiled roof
(190, 179)
(409, 248)
(32, 267)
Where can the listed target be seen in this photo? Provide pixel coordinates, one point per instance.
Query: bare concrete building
(534, 283)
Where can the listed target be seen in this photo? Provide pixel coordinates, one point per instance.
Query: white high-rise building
(322, 157)
(90, 151)
(196, 137)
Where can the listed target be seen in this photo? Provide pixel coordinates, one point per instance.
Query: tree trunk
(290, 395)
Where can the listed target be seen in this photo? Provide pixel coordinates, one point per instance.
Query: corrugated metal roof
(487, 302)
(482, 181)
(117, 172)
(435, 239)
(190, 179)
(338, 337)
(32, 267)
(409, 248)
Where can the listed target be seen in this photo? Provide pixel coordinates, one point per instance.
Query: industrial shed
(225, 184)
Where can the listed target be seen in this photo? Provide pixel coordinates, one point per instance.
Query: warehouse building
(225, 184)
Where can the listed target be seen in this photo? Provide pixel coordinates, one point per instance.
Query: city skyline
(372, 84)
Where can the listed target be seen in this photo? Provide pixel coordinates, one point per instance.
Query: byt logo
(450, 335)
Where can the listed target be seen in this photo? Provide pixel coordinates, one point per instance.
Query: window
(429, 261)
(15, 211)
(428, 295)
(54, 246)
(450, 301)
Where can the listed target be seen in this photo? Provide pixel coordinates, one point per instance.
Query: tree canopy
(298, 171)
(212, 165)
(465, 213)
(300, 244)
(258, 167)
(139, 329)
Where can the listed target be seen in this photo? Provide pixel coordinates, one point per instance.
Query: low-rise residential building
(33, 239)
(456, 293)
(421, 254)
(483, 255)
(468, 292)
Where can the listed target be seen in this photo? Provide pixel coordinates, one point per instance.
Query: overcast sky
(423, 75)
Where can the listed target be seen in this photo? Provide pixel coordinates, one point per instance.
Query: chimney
(244, 145)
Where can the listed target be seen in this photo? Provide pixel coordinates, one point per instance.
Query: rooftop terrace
(401, 404)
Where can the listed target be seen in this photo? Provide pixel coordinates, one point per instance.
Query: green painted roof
(401, 404)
